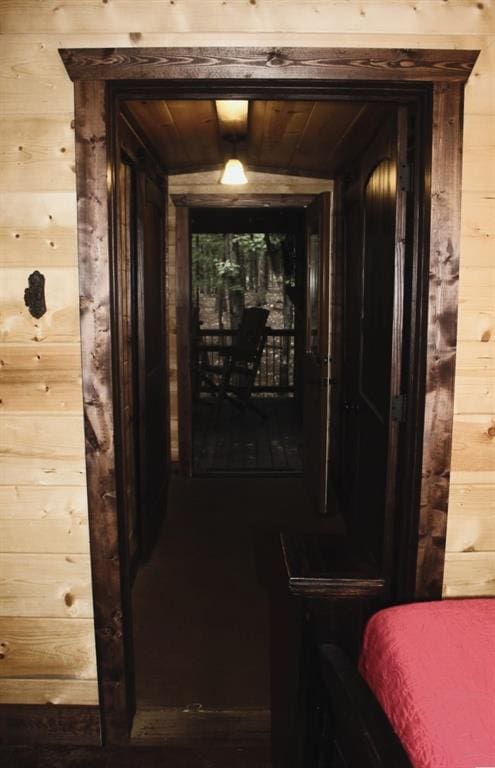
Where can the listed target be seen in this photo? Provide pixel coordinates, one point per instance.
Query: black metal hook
(34, 295)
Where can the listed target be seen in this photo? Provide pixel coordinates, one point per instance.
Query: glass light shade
(233, 173)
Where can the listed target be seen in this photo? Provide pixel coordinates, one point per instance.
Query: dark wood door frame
(431, 79)
(183, 204)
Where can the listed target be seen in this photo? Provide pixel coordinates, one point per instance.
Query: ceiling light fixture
(232, 117)
(233, 172)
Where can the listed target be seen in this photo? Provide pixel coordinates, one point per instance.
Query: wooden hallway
(201, 612)
(243, 442)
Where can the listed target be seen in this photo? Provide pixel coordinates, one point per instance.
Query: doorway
(440, 138)
(245, 261)
(275, 260)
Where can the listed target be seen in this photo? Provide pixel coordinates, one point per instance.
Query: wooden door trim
(242, 201)
(441, 276)
(96, 276)
(319, 218)
(375, 64)
(396, 381)
(184, 351)
(435, 79)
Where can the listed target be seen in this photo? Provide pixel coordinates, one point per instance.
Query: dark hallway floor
(67, 756)
(201, 615)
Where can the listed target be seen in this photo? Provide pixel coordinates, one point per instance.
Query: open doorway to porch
(247, 412)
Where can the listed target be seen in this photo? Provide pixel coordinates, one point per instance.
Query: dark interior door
(317, 352)
(151, 362)
(374, 228)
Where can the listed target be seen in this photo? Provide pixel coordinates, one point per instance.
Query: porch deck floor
(243, 441)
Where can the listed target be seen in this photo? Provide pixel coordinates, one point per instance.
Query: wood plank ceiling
(294, 137)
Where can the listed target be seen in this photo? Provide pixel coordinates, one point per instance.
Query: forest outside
(231, 272)
(234, 271)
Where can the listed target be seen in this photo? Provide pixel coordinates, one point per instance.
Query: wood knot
(275, 59)
(491, 431)
(69, 599)
(4, 649)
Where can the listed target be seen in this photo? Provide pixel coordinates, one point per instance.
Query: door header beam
(368, 64)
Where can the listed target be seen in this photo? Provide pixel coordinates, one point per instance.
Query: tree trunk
(262, 275)
(236, 294)
(220, 305)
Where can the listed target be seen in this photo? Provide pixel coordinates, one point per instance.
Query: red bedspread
(432, 668)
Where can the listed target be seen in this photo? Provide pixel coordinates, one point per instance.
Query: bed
(430, 668)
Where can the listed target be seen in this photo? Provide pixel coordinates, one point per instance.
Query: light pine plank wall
(48, 652)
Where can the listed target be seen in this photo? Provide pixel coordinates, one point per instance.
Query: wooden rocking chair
(234, 378)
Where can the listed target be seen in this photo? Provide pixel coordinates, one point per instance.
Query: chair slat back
(252, 329)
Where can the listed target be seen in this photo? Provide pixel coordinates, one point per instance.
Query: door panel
(151, 360)
(317, 354)
(378, 274)
(353, 222)
(374, 218)
(127, 355)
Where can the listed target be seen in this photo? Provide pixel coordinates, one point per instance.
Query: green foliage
(227, 266)
(229, 275)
